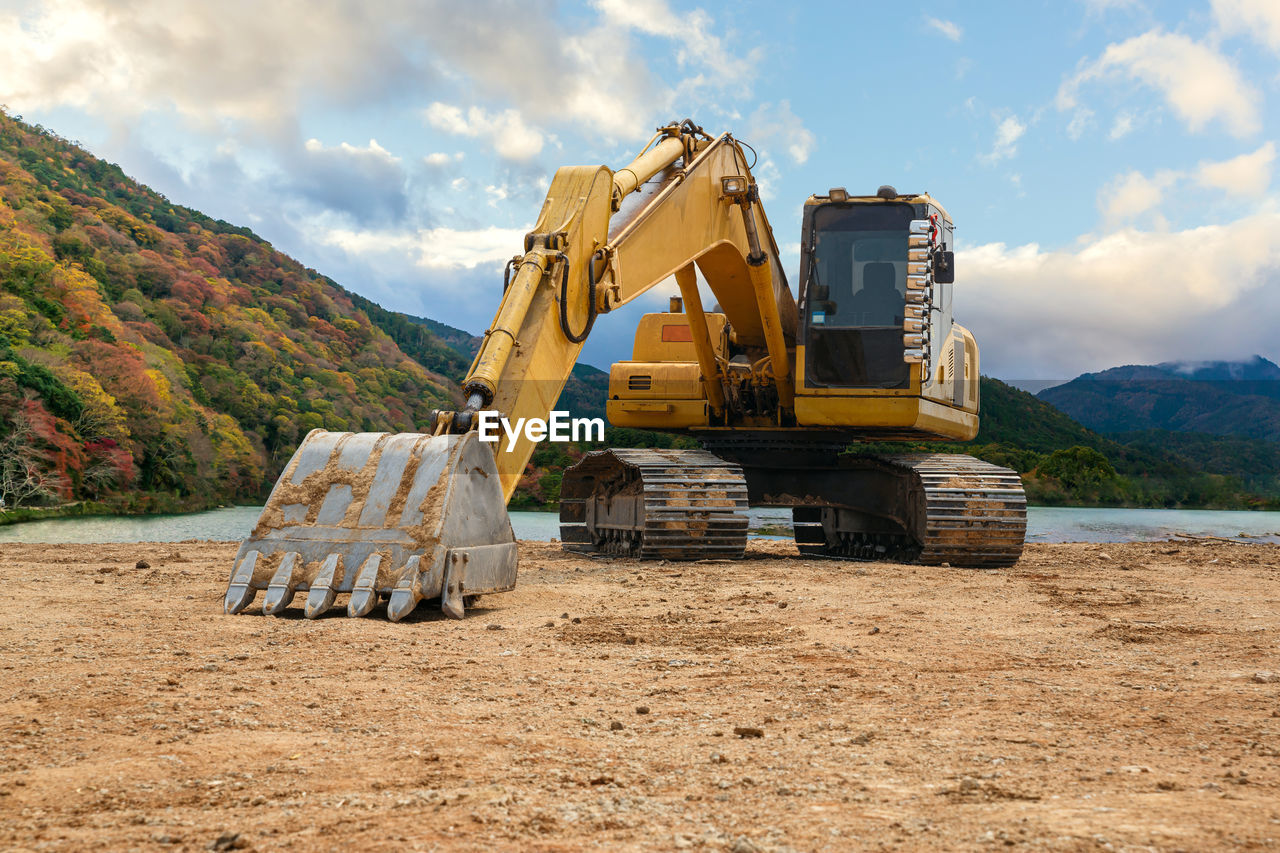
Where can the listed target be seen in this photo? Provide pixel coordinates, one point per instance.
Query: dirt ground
(1117, 697)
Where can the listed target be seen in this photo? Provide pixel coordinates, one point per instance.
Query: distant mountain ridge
(1065, 462)
(1236, 398)
(1256, 369)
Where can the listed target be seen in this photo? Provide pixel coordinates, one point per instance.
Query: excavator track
(655, 504)
(976, 512)
(953, 509)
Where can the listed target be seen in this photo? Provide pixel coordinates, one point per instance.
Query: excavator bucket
(405, 517)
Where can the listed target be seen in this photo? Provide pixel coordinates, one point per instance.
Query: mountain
(463, 343)
(1220, 398)
(154, 358)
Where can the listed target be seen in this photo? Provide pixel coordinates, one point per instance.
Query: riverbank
(42, 513)
(140, 506)
(1119, 696)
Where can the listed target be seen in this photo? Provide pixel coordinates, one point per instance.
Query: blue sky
(1108, 164)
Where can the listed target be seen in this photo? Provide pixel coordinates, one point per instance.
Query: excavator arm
(603, 239)
(422, 515)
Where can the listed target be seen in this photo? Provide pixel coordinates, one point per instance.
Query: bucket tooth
(282, 587)
(364, 594)
(405, 595)
(240, 591)
(322, 593)
(455, 565)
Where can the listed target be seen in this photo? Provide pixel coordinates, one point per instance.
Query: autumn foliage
(154, 358)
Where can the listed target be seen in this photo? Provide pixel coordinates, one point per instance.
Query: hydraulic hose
(591, 298)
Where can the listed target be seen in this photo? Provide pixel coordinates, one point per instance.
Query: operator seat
(879, 302)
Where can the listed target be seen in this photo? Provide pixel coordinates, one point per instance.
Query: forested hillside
(1063, 462)
(152, 357)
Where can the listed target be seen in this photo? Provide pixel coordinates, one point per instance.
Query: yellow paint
(666, 218)
(649, 345)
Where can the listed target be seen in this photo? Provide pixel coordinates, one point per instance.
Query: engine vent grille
(639, 382)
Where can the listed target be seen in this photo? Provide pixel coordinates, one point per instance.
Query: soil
(1117, 697)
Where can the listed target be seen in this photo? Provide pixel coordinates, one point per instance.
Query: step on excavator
(776, 392)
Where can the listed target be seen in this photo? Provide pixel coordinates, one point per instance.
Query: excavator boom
(593, 250)
(422, 516)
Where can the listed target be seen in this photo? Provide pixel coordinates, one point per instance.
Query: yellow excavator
(774, 391)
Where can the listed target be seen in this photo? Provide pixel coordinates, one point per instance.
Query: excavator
(774, 389)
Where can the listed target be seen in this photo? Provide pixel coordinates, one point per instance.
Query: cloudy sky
(1109, 164)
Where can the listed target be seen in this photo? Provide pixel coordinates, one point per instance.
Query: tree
(1077, 467)
(25, 468)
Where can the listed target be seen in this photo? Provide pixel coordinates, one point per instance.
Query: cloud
(1126, 297)
(1080, 120)
(597, 74)
(235, 61)
(776, 125)
(1198, 83)
(948, 28)
(724, 66)
(246, 66)
(1008, 132)
(1101, 7)
(496, 194)
(1258, 18)
(431, 248)
(1122, 126)
(447, 273)
(1246, 175)
(369, 182)
(440, 160)
(1133, 194)
(506, 132)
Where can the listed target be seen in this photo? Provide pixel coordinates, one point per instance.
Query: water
(217, 525)
(1087, 524)
(1044, 524)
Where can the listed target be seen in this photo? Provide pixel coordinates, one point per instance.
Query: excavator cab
(856, 276)
(876, 322)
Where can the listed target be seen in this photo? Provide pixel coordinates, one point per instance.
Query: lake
(1044, 524)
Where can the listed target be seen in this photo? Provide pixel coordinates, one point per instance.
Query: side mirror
(944, 267)
(821, 293)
